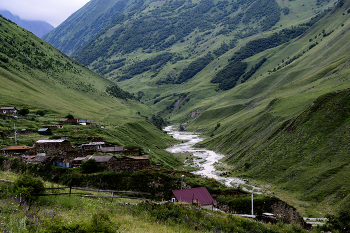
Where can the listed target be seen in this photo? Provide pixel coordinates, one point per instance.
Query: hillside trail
(207, 158)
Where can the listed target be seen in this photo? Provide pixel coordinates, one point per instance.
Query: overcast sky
(52, 11)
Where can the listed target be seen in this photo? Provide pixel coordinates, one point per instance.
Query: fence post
(70, 189)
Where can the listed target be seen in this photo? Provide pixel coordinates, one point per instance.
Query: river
(206, 160)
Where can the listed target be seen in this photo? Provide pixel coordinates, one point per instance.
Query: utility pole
(182, 180)
(14, 127)
(252, 205)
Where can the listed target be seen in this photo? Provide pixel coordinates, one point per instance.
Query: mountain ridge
(39, 28)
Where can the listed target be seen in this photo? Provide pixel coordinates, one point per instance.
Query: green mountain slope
(288, 125)
(32, 70)
(35, 75)
(189, 29)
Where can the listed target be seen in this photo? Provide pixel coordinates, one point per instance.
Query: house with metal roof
(92, 145)
(53, 146)
(194, 195)
(8, 110)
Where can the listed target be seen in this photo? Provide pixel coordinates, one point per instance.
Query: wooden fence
(89, 190)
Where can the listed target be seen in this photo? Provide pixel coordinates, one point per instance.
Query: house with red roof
(194, 195)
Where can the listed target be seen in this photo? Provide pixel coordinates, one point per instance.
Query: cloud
(52, 11)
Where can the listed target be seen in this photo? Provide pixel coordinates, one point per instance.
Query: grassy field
(82, 214)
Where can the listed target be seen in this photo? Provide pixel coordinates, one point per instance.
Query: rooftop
(201, 195)
(7, 108)
(22, 147)
(48, 141)
(101, 159)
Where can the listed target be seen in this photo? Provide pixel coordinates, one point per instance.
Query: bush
(100, 222)
(90, 166)
(70, 116)
(28, 188)
(23, 111)
(40, 113)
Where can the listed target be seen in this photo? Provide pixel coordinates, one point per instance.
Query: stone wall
(279, 208)
(53, 147)
(286, 213)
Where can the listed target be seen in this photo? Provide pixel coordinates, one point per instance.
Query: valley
(264, 85)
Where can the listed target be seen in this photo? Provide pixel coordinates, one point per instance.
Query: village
(108, 157)
(60, 152)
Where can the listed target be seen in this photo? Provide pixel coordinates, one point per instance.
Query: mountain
(39, 28)
(82, 26)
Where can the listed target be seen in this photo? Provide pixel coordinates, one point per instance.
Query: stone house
(93, 146)
(53, 146)
(41, 160)
(130, 164)
(113, 150)
(13, 150)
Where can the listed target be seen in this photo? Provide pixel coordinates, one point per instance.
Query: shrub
(28, 187)
(100, 222)
(40, 112)
(23, 111)
(90, 166)
(70, 116)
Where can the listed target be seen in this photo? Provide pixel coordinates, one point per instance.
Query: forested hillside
(168, 42)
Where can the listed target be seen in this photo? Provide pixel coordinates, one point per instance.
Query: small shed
(78, 161)
(45, 131)
(84, 122)
(198, 195)
(56, 126)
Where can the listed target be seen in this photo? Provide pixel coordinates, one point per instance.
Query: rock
(182, 128)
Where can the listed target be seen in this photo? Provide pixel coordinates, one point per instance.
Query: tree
(90, 166)
(70, 116)
(23, 111)
(27, 187)
(40, 113)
